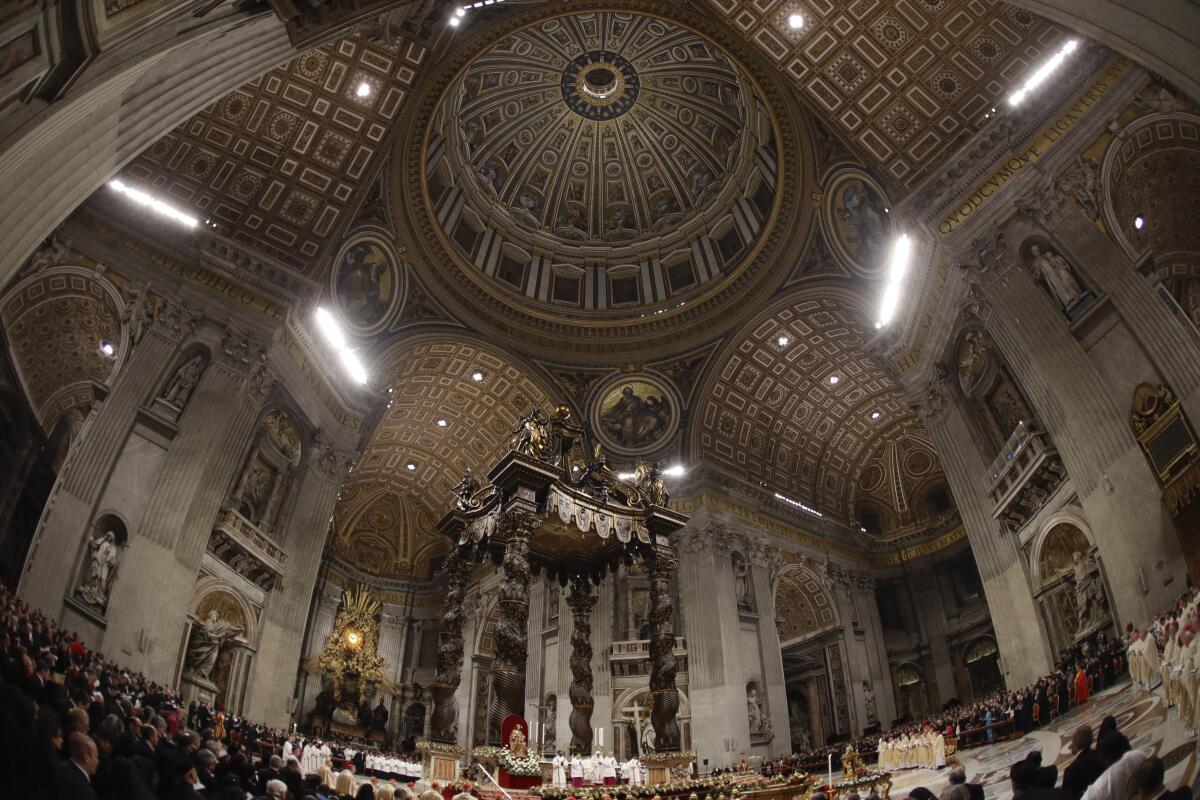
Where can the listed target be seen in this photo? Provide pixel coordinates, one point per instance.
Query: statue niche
(178, 389)
(269, 470)
(1053, 271)
(100, 563)
(219, 626)
(1071, 592)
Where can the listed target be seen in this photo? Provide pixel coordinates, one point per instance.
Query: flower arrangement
(526, 765)
(655, 758)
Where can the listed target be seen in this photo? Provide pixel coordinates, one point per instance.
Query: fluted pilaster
(81, 481)
(278, 660)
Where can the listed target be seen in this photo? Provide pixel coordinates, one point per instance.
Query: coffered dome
(602, 161)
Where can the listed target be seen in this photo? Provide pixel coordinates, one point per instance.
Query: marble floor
(1141, 716)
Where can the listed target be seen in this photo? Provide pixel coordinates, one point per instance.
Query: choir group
(926, 749)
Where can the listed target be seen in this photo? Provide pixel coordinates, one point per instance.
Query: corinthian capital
(176, 321)
(931, 403)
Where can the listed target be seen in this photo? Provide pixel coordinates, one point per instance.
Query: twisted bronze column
(512, 646)
(581, 600)
(663, 666)
(444, 725)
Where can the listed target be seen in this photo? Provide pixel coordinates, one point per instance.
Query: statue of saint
(869, 702)
(97, 582)
(530, 436)
(183, 383)
(753, 710)
(254, 493)
(647, 737)
(649, 479)
(741, 582)
(1054, 269)
(465, 489)
(1089, 594)
(516, 741)
(139, 309)
(206, 642)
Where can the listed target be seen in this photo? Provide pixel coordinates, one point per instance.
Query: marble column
(1119, 492)
(512, 640)
(663, 666)
(166, 547)
(581, 600)
(458, 569)
(68, 513)
(1019, 632)
(278, 662)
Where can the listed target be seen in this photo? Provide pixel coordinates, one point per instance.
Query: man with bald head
(73, 778)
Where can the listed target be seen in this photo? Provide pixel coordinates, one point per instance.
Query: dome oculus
(602, 162)
(600, 85)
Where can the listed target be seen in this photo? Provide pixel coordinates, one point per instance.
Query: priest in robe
(576, 769)
(558, 765)
(1082, 690)
(608, 770)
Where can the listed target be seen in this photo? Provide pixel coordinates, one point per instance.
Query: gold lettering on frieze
(313, 377)
(1035, 149)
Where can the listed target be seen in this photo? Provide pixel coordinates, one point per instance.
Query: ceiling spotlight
(454, 21)
(783, 341)
(796, 21)
(876, 415)
(460, 12)
(441, 423)
(626, 476)
(410, 466)
(107, 349)
(363, 89)
(1043, 72)
(152, 203)
(833, 380)
(1138, 222)
(477, 376)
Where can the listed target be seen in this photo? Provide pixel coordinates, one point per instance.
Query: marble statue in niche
(1053, 269)
(549, 723)
(254, 492)
(179, 389)
(756, 713)
(205, 645)
(102, 564)
(635, 415)
(869, 702)
(741, 583)
(366, 284)
(972, 359)
(1090, 602)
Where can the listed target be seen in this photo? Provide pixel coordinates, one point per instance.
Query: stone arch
(1152, 168)
(225, 596)
(761, 409)
(1057, 538)
(803, 605)
(56, 321)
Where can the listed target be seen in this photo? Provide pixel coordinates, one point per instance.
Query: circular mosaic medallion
(368, 283)
(856, 222)
(600, 85)
(634, 414)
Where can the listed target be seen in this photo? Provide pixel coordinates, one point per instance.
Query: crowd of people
(75, 726)
(1088, 667)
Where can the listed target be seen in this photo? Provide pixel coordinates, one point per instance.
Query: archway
(982, 658)
(1070, 585)
(910, 688)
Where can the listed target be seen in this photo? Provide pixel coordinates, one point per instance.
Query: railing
(248, 533)
(997, 731)
(1008, 453)
(640, 648)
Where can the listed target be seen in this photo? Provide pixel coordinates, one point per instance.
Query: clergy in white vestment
(939, 750)
(287, 750)
(576, 771)
(608, 770)
(559, 766)
(631, 772)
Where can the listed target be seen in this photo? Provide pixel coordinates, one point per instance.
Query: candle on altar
(831, 770)
(601, 736)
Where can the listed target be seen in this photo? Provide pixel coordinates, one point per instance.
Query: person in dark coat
(73, 778)
(1084, 768)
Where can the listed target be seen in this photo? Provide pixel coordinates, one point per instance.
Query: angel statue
(465, 489)
(97, 583)
(649, 479)
(530, 436)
